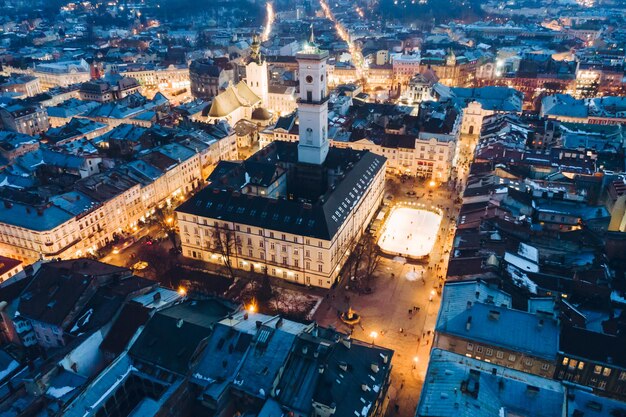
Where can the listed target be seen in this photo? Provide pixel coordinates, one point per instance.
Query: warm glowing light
(357, 56)
(432, 183)
(251, 308)
(416, 359)
(116, 251)
(182, 291)
(374, 335)
(269, 9)
(169, 220)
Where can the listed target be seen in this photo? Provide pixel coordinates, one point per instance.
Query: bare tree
(165, 218)
(371, 256)
(356, 258)
(157, 258)
(224, 242)
(264, 289)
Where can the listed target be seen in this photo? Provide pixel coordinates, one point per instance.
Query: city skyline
(313, 208)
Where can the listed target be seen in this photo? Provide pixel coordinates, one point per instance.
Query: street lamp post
(373, 335)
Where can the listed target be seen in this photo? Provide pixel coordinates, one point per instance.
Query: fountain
(350, 317)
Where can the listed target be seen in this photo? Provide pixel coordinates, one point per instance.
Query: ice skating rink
(410, 232)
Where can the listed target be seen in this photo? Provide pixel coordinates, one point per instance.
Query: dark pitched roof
(399, 141)
(286, 122)
(320, 219)
(172, 336)
(328, 372)
(205, 67)
(226, 349)
(58, 286)
(267, 356)
(594, 346)
(6, 264)
(130, 318)
(106, 302)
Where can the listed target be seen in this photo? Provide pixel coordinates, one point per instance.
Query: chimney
(305, 350)
(279, 322)
(320, 369)
(258, 324)
(343, 366)
(468, 324)
(374, 367)
(494, 315)
(365, 388)
(245, 316)
(156, 297)
(347, 342)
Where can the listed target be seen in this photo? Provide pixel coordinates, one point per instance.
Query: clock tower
(312, 104)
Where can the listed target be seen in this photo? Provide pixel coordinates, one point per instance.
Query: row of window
(597, 369)
(489, 352)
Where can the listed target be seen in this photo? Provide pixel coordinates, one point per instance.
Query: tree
(371, 256)
(225, 244)
(165, 219)
(264, 290)
(157, 258)
(357, 256)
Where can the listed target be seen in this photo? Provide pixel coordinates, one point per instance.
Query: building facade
(102, 205)
(294, 210)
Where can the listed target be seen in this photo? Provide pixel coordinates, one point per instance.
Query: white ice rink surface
(410, 232)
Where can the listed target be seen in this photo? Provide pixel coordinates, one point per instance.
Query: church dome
(261, 113)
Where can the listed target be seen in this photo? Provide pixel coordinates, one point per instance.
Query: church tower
(312, 104)
(256, 71)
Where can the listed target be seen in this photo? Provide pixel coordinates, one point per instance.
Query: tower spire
(312, 37)
(255, 49)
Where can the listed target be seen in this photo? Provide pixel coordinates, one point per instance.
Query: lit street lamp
(373, 335)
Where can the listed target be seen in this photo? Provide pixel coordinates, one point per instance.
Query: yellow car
(140, 265)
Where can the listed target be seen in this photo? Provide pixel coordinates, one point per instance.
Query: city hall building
(295, 209)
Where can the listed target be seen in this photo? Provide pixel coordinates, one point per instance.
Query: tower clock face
(309, 79)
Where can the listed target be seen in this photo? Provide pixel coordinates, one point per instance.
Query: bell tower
(256, 71)
(312, 104)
